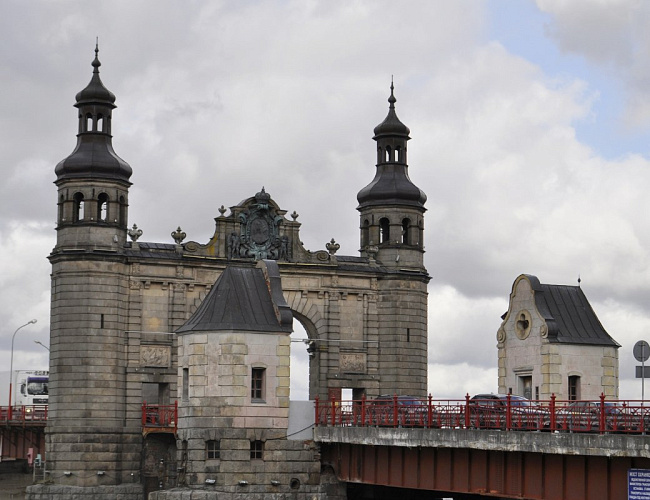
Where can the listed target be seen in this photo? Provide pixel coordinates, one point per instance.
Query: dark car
(411, 411)
(585, 416)
(490, 411)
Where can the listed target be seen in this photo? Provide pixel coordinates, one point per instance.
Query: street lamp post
(11, 364)
(41, 344)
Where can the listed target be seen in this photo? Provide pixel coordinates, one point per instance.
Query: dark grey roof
(243, 299)
(568, 314)
(93, 157)
(391, 185)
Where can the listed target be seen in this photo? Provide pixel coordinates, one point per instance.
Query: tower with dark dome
(391, 206)
(392, 239)
(93, 182)
(89, 440)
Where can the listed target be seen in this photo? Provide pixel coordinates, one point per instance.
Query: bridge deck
(532, 465)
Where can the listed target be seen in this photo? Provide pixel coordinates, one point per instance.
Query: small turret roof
(391, 184)
(243, 299)
(95, 91)
(391, 124)
(94, 157)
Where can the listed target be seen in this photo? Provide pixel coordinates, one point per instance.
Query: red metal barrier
(160, 416)
(24, 415)
(509, 414)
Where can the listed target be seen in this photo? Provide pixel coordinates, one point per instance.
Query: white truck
(30, 387)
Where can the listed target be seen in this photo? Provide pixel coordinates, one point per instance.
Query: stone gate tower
(86, 432)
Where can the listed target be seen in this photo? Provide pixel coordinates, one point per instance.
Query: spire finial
(392, 99)
(96, 64)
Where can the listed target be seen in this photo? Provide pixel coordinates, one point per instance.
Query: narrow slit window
(186, 384)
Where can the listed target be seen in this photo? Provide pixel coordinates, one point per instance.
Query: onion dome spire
(95, 91)
(391, 184)
(391, 124)
(94, 156)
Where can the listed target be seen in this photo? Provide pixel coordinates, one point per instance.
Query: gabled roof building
(552, 342)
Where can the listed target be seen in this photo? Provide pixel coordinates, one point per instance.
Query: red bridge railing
(510, 414)
(160, 416)
(23, 415)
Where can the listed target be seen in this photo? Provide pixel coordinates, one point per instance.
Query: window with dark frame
(213, 449)
(257, 450)
(257, 384)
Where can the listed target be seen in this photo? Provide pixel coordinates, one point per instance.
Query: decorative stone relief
(155, 356)
(543, 331)
(259, 236)
(353, 362)
(523, 324)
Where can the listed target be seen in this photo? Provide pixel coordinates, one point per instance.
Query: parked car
(490, 411)
(411, 411)
(585, 416)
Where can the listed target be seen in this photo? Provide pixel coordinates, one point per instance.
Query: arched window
(387, 156)
(398, 153)
(100, 123)
(102, 207)
(406, 223)
(89, 122)
(365, 234)
(384, 230)
(78, 211)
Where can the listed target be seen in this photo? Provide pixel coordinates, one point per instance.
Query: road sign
(642, 371)
(638, 484)
(641, 351)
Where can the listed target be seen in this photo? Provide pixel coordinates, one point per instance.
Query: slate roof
(240, 300)
(568, 314)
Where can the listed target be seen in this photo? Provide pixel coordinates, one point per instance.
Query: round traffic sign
(641, 351)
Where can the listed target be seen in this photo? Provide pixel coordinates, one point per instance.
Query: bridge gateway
(116, 305)
(117, 301)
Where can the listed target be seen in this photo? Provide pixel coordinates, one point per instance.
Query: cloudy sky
(530, 126)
